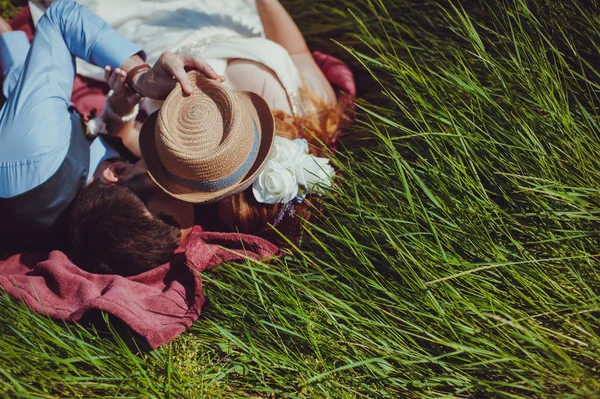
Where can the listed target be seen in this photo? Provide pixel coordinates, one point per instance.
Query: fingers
(122, 95)
(178, 70)
(182, 77)
(171, 65)
(119, 86)
(200, 64)
(112, 79)
(116, 80)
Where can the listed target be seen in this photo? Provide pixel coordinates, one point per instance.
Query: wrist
(119, 105)
(119, 109)
(132, 62)
(136, 78)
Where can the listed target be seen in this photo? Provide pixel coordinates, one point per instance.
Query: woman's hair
(242, 212)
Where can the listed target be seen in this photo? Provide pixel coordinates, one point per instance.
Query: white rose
(301, 145)
(276, 183)
(314, 173)
(285, 151)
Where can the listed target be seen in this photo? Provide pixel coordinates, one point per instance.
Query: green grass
(458, 257)
(10, 8)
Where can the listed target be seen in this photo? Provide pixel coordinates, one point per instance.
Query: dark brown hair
(112, 232)
(241, 212)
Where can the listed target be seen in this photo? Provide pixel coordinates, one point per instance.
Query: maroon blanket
(159, 304)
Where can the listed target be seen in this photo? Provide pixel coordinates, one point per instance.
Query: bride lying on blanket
(252, 180)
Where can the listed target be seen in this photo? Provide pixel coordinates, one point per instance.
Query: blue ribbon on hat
(216, 185)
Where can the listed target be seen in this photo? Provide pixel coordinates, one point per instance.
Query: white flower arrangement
(291, 173)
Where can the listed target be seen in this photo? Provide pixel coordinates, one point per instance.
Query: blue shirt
(35, 124)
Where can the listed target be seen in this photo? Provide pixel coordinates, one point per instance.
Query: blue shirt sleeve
(88, 36)
(35, 125)
(14, 47)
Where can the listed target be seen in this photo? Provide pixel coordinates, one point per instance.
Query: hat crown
(204, 136)
(208, 145)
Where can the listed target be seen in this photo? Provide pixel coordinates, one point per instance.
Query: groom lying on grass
(45, 156)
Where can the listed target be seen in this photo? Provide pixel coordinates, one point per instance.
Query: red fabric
(161, 303)
(337, 72)
(341, 77)
(158, 305)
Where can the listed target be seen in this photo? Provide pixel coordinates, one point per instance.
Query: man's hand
(158, 81)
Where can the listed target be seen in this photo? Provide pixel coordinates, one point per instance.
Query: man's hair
(113, 232)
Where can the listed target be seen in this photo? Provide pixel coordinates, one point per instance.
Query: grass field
(459, 255)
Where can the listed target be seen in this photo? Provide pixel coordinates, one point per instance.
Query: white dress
(217, 30)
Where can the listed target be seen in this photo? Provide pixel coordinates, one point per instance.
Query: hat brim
(261, 113)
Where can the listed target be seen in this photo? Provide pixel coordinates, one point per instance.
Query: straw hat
(207, 145)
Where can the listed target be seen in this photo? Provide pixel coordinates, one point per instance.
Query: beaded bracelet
(109, 113)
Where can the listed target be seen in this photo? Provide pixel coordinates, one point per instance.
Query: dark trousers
(37, 219)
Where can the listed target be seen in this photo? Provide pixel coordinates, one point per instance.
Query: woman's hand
(158, 81)
(123, 100)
